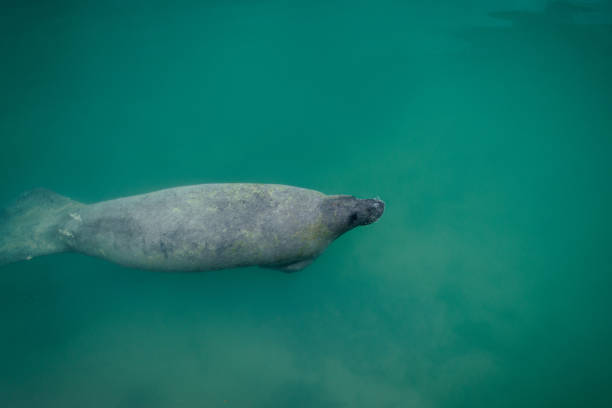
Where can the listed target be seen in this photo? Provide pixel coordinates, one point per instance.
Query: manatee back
(205, 227)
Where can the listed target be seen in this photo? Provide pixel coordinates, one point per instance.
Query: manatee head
(343, 213)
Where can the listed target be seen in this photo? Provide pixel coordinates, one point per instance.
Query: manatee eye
(353, 218)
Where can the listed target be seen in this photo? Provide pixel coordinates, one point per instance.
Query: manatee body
(191, 228)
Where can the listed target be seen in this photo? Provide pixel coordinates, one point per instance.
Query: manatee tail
(30, 226)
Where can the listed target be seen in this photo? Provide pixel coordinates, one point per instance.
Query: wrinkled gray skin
(192, 228)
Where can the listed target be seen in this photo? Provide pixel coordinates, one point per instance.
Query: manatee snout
(366, 211)
(344, 213)
(371, 210)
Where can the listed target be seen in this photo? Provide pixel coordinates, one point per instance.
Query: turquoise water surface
(485, 126)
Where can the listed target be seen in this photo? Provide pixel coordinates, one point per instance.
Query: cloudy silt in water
(485, 129)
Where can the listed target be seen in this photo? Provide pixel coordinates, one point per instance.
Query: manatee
(192, 228)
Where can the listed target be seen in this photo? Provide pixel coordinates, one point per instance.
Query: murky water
(487, 129)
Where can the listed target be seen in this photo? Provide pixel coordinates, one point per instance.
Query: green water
(485, 126)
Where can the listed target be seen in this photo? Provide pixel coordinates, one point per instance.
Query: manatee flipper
(32, 225)
(292, 267)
